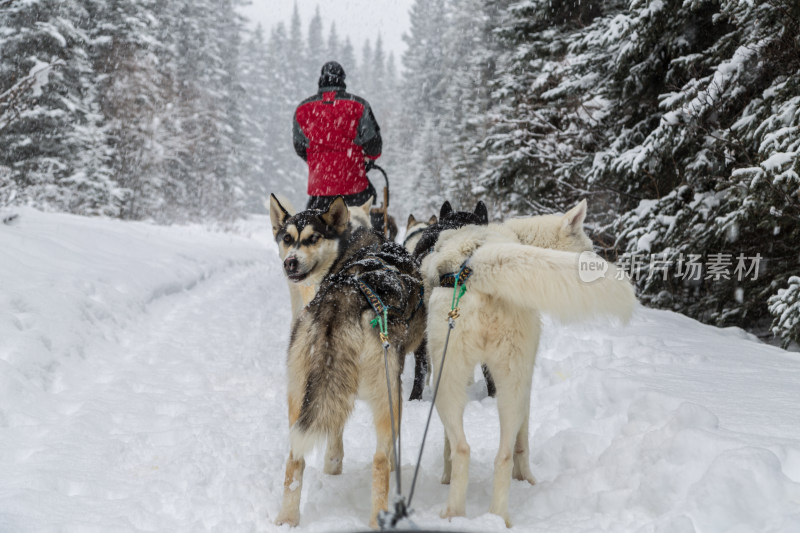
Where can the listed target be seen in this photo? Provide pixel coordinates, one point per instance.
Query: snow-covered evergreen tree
(785, 308)
(333, 45)
(678, 119)
(716, 161)
(316, 54)
(422, 88)
(543, 119)
(347, 58)
(53, 148)
(365, 84)
(258, 161)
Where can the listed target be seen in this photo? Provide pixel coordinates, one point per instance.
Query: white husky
(520, 268)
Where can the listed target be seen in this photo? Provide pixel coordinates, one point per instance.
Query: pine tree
(55, 146)
(135, 94)
(316, 55)
(333, 44)
(366, 75)
(785, 308)
(296, 78)
(543, 124)
(258, 161)
(347, 59)
(290, 172)
(378, 70)
(715, 163)
(422, 89)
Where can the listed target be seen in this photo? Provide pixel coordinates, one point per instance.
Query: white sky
(358, 19)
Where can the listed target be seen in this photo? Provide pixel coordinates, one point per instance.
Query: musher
(336, 133)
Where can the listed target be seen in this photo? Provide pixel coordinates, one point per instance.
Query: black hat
(332, 75)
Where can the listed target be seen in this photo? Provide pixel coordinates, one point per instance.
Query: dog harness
(458, 281)
(413, 233)
(452, 278)
(381, 320)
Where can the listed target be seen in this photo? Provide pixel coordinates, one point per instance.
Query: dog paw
(287, 518)
(525, 477)
(445, 478)
(451, 513)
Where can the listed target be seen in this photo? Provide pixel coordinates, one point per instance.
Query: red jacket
(333, 131)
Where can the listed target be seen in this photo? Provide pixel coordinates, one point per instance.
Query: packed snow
(142, 388)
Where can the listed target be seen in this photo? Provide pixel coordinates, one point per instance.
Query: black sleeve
(369, 134)
(299, 138)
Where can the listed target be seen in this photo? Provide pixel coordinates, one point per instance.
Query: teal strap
(382, 323)
(459, 285)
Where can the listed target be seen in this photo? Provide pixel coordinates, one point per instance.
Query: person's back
(334, 132)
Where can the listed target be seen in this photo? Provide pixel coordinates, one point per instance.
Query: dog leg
(292, 487)
(448, 464)
(456, 498)
(373, 390)
(511, 405)
(522, 465)
(293, 479)
(381, 463)
(420, 372)
(334, 453)
(450, 405)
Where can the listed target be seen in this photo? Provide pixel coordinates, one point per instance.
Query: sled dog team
(342, 275)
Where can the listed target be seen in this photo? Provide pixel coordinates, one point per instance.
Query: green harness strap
(382, 323)
(459, 280)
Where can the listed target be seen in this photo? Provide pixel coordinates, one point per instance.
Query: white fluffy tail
(548, 281)
(303, 442)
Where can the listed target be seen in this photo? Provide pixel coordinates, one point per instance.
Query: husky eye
(287, 239)
(314, 239)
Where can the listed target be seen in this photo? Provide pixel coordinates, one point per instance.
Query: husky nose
(290, 265)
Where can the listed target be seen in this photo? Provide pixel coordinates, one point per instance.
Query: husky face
(414, 229)
(449, 219)
(359, 216)
(308, 242)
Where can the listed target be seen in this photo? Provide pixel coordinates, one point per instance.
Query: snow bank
(142, 389)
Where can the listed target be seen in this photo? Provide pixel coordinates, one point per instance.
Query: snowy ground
(142, 389)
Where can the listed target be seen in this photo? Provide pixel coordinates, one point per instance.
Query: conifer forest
(677, 120)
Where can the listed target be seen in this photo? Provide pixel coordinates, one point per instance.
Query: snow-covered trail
(165, 428)
(142, 388)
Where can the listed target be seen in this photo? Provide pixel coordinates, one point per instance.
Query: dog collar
(415, 232)
(449, 279)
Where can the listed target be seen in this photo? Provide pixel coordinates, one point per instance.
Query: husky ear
(337, 216)
(482, 212)
(432, 220)
(277, 214)
(446, 210)
(572, 221)
(367, 205)
(411, 220)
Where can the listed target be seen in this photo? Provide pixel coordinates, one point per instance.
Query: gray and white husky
(520, 269)
(335, 354)
(302, 291)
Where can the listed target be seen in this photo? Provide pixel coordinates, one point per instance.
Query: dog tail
(330, 388)
(549, 281)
